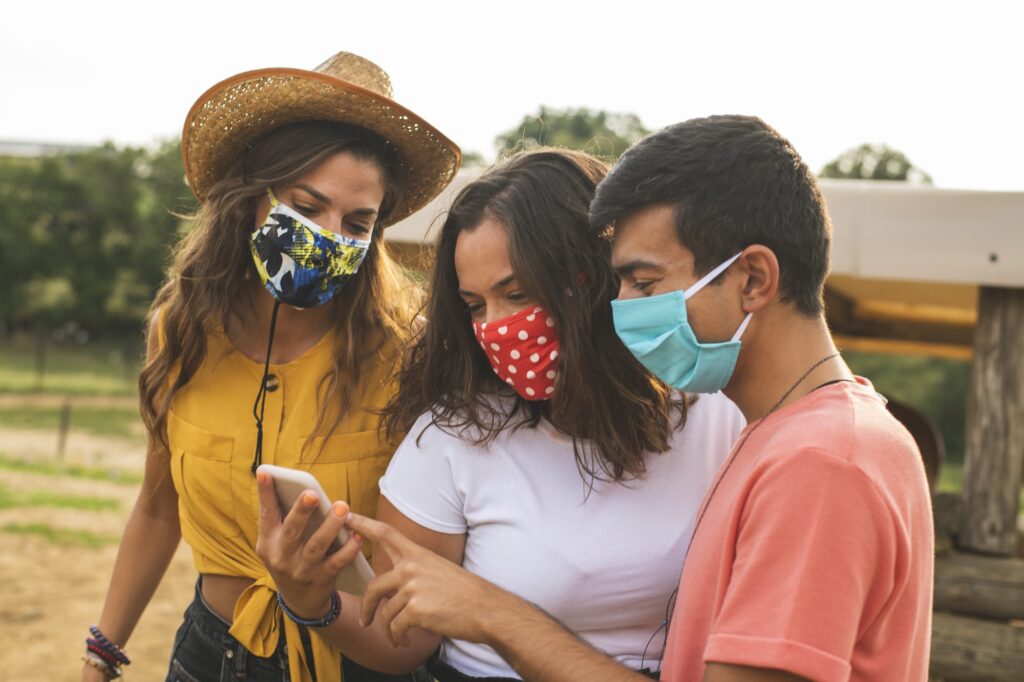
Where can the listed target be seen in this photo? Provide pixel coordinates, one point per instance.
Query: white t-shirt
(604, 565)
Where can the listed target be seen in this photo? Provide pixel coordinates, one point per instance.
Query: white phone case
(288, 485)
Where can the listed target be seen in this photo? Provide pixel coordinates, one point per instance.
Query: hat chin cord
(259, 407)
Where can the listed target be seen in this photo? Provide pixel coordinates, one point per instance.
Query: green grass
(61, 536)
(120, 422)
(73, 471)
(93, 369)
(14, 499)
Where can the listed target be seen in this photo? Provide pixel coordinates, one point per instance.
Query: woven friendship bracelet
(330, 617)
(114, 650)
(109, 671)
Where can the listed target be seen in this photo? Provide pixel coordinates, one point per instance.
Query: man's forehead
(648, 235)
(628, 256)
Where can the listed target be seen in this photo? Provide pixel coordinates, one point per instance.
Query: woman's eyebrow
(323, 199)
(494, 287)
(502, 282)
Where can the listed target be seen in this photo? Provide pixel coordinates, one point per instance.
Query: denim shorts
(204, 651)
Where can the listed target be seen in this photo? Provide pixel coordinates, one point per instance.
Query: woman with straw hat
(297, 174)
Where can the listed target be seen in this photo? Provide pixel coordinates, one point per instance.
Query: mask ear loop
(259, 407)
(708, 278)
(743, 327)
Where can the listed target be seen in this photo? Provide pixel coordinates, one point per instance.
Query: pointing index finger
(381, 534)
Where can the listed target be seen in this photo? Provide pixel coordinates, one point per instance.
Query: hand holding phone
(289, 484)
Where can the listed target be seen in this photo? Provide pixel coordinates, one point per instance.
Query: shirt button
(273, 382)
(229, 653)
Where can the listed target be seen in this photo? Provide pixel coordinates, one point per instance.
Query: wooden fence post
(994, 456)
(65, 425)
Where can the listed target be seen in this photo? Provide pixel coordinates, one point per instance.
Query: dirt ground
(52, 591)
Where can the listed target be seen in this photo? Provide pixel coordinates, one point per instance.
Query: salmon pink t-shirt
(815, 551)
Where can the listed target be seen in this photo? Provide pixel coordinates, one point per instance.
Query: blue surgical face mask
(656, 330)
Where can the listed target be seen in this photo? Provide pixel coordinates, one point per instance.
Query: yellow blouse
(212, 438)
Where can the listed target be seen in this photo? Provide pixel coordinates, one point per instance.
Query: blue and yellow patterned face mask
(301, 263)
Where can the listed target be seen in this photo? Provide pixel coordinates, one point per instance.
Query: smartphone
(289, 484)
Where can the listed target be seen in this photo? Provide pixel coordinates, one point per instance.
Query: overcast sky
(939, 81)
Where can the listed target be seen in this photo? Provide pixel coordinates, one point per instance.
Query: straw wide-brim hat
(346, 88)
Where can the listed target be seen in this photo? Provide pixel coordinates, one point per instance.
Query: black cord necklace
(260, 406)
(669, 607)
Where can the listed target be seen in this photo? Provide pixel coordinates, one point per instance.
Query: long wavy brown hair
(604, 399)
(211, 276)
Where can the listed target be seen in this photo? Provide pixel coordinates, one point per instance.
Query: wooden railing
(978, 626)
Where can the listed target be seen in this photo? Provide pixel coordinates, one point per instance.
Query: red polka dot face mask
(523, 350)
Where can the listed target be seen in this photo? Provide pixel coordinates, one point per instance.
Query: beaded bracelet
(100, 640)
(111, 672)
(330, 617)
(92, 647)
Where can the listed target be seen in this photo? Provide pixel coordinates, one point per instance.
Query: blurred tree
(18, 216)
(874, 162)
(84, 237)
(473, 159)
(600, 133)
(164, 199)
(102, 225)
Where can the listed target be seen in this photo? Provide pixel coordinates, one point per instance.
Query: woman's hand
(427, 591)
(302, 569)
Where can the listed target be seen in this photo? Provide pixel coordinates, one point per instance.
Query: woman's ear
(760, 269)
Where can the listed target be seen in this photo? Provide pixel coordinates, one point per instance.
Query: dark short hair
(735, 181)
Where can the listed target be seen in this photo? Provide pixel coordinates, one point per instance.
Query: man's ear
(760, 269)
